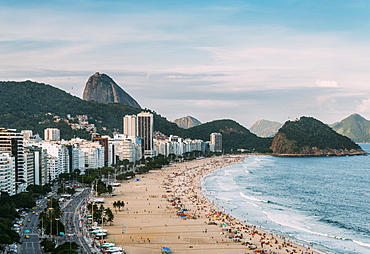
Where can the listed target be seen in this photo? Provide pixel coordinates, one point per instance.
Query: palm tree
(110, 215)
(121, 204)
(115, 205)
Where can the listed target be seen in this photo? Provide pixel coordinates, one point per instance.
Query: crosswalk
(30, 248)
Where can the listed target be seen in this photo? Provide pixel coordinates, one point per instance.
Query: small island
(307, 136)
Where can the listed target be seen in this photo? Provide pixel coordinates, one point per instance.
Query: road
(30, 229)
(74, 224)
(72, 218)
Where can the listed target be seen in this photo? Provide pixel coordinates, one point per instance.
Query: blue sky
(241, 60)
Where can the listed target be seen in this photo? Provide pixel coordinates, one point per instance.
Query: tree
(38, 190)
(48, 245)
(119, 204)
(66, 248)
(115, 205)
(7, 235)
(110, 215)
(51, 218)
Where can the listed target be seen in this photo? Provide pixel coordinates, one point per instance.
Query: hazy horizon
(240, 60)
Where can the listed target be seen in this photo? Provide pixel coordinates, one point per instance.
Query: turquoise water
(323, 201)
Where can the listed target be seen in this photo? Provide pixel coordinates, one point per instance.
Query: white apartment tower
(52, 134)
(11, 142)
(129, 125)
(145, 131)
(216, 141)
(7, 174)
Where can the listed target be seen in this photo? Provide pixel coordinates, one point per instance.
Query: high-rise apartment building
(216, 141)
(11, 142)
(104, 143)
(29, 167)
(129, 125)
(52, 134)
(145, 131)
(7, 174)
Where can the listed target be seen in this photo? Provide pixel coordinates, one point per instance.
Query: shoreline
(167, 208)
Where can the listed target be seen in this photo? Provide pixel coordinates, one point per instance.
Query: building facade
(52, 134)
(7, 174)
(11, 142)
(216, 141)
(145, 131)
(129, 125)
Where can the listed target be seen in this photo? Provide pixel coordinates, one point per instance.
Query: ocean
(319, 201)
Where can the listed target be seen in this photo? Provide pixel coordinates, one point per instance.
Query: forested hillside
(233, 133)
(307, 136)
(34, 106)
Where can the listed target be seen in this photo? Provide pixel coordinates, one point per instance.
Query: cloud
(364, 106)
(326, 83)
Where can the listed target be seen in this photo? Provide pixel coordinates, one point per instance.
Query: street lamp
(57, 220)
(51, 223)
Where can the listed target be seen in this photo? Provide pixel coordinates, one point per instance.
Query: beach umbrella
(166, 249)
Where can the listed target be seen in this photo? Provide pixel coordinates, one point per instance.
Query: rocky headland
(309, 137)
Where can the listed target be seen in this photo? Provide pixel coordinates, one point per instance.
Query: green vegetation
(49, 219)
(125, 176)
(100, 214)
(118, 205)
(309, 132)
(67, 190)
(66, 248)
(234, 136)
(21, 200)
(8, 213)
(355, 127)
(33, 106)
(38, 190)
(47, 245)
(7, 235)
(152, 163)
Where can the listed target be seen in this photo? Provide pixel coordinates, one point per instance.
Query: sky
(242, 60)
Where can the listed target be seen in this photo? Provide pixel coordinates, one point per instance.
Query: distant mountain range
(34, 106)
(355, 127)
(187, 122)
(265, 128)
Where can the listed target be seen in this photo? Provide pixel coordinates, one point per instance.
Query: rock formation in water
(310, 137)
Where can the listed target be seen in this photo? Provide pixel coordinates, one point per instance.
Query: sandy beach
(165, 208)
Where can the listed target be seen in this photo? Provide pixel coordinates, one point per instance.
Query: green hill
(31, 105)
(355, 127)
(308, 136)
(36, 106)
(232, 133)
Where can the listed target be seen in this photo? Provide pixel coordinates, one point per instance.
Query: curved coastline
(274, 233)
(168, 208)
